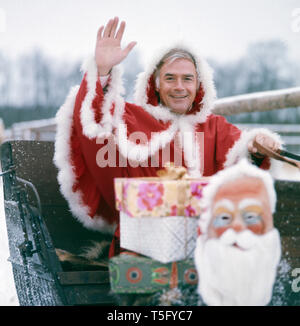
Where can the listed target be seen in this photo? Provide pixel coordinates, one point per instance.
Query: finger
(267, 143)
(129, 47)
(270, 143)
(99, 34)
(114, 27)
(277, 146)
(274, 145)
(251, 148)
(250, 143)
(121, 31)
(260, 138)
(108, 28)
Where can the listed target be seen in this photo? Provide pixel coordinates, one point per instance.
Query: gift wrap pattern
(158, 218)
(130, 273)
(165, 239)
(145, 197)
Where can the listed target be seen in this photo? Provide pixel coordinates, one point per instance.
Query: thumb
(129, 47)
(251, 148)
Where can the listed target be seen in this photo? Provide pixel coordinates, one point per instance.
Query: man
(238, 248)
(100, 137)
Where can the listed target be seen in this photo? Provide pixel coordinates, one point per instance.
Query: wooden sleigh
(39, 221)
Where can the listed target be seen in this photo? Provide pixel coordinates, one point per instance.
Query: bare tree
(266, 66)
(132, 67)
(5, 80)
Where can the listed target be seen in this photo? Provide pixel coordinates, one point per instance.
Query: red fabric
(266, 163)
(197, 102)
(96, 184)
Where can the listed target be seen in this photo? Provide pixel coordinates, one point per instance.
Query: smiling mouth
(178, 97)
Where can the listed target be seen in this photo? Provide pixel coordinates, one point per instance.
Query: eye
(222, 220)
(169, 78)
(251, 217)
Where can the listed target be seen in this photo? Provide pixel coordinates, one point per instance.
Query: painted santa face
(241, 274)
(241, 204)
(178, 85)
(237, 258)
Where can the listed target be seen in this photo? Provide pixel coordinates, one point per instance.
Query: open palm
(108, 51)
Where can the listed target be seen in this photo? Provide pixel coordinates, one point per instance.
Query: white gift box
(166, 239)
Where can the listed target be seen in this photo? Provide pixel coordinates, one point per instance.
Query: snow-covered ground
(8, 296)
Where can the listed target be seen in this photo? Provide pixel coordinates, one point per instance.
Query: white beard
(231, 276)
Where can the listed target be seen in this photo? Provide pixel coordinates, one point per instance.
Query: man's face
(241, 204)
(178, 85)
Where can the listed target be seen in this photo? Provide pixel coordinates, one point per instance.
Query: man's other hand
(264, 140)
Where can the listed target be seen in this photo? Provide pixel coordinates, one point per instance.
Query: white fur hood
(147, 97)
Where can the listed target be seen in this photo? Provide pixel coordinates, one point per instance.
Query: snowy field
(8, 296)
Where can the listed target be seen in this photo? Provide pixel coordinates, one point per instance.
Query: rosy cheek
(220, 230)
(256, 228)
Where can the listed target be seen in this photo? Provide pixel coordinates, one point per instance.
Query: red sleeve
(226, 135)
(93, 182)
(87, 187)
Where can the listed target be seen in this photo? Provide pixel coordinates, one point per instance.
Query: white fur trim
(90, 127)
(191, 149)
(66, 176)
(141, 152)
(243, 168)
(240, 149)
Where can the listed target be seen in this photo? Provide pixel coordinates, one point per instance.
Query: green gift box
(132, 273)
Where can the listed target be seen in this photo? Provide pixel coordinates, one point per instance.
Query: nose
(179, 85)
(238, 224)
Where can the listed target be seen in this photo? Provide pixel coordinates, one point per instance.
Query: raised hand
(108, 52)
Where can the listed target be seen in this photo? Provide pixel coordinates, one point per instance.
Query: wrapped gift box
(131, 273)
(157, 197)
(165, 239)
(158, 216)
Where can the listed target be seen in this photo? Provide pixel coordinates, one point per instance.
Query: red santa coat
(100, 137)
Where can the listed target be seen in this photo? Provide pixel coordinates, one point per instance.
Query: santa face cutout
(241, 204)
(237, 257)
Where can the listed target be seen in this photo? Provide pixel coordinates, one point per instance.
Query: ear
(156, 83)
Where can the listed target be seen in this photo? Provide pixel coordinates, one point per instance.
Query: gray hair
(171, 56)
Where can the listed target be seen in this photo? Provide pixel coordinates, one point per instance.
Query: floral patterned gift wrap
(158, 216)
(154, 197)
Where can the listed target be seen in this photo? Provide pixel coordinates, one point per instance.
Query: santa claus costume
(95, 119)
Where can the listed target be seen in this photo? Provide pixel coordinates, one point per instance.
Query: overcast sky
(219, 29)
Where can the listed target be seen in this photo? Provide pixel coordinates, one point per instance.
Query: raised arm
(83, 123)
(108, 51)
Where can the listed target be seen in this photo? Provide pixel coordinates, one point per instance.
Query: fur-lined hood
(147, 96)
